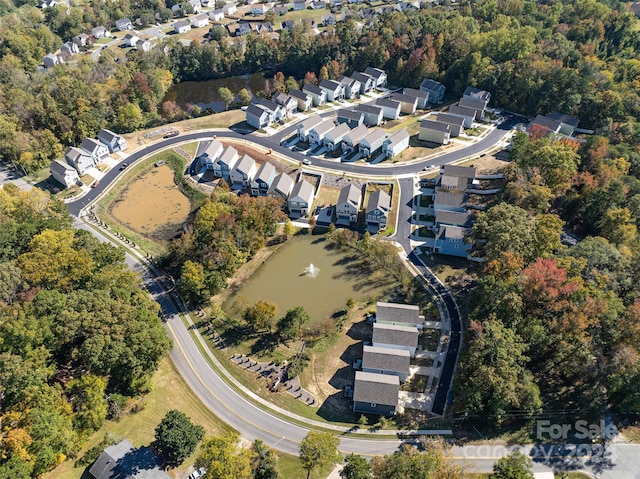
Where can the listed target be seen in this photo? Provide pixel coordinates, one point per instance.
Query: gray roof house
(243, 172)
(372, 114)
(380, 76)
(299, 5)
(546, 123)
(434, 132)
(305, 126)
(225, 163)
(258, 117)
(449, 200)
(373, 141)
(367, 82)
(124, 24)
(457, 177)
(477, 94)
(469, 114)
(182, 26)
(100, 32)
(453, 218)
(474, 103)
(408, 103)
(333, 89)
(456, 123)
(394, 362)
(79, 159)
(318, 132)
(69, 49)
(210, 154)
(317, 94)
(263, 180)
(348, 205)
(281, 186)
(375, 393)
(449, 240)
(64, 173)
(124, 461)
(130, 39)
(351, 86)
(113, 141)
(96, 149)
(300, 199)
(568, 124)
(350, 117)
(396, 337)
(352, 139)
(81, 40)
(390, 108)
(51, 60)
(304, 100)
(333, 137)
(436, 90)
(287, 102)
(421, 96)
(377, 212)
(396, 143)
(275, 110)
(399, 314)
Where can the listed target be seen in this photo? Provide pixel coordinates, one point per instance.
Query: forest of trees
(579, 57)
(75, 328)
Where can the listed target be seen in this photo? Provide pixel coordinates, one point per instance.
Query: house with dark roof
(280, 10)
(81, 40)
(396, 337)
(408, 103)
(449, 240)
(375, 393)
(434, 132)
(396, 143)
(422, 97)
(456, 123)
(436, 90)
(333, 137)
(79, 159)
(377, 211)
(351, 86)
(398, 314)
(64, 173)
(390, 108)
(113, 141)
(263, 180)
(124, 461)
(124, 24)
(299, 5)
(208, 156)
(281, 186)
(477, 94)
(449, 200)
(300, 199)
(304, 100)
(372, 114)
(457, 177)
(380, 76)
(546, 123)
(394, 362)
(352, 139)
(305, 127)
(334, 90)
(475, 104)
(348, 205)
(469, 114)
(350, 117)
(367, 82)
(568, 124)
(317, 94)
(288, 103)
(243, 172)
(258, 117)
(51, 60)
(452, 218)
(96, 149)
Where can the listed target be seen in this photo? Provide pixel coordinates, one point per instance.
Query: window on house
(373, 404)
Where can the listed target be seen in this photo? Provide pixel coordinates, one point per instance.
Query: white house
(348, 205)
(333, 137)
(396, 143)
(390, 108)
(143, 45)
(287, 102)
(69, 49)
(97, 150)
(281, 186)
(260, 8)
(64, 173)
(113, 141)
(352, 139)
(79, 159)
(130, 39)
(380, 76)
(318, 95)
(225, 163)
(351, 86)
(372, 142)
(182, 26)
(196, 5)
(304, 100)
(230, 9)
(200, 21)
(124, 24)
(422, 97)
(211, 153)
(243, 172)
(334, 90)
(263, 179)
(367, 82)
(100, 32)
(318, 132)
(216, 15)
(305, 127)
(258, 117)
(372, 114)
(299, 5)
(81, 40)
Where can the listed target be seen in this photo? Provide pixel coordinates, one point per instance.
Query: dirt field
(152, 205)
(487, 164)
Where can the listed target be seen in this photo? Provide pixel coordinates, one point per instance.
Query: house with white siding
(281, 186)
(352, 139)
(390, 108)
(199, 21)
(318, 132)
(243, 172)
(351, 87)
(396, 143)
(305, 127)
(367, 83)
(380, 76)
(210, 154)
(300, 199)
(96, 149)
(334, 90)
(318, 95)
(225, 163)
(113, 141)
(258, 117)
(288, 103)
(371, 143)
(182, 26)
(304, 101)
(263, 180)
(79, 159)
(64, 173)
(372, 114)
(348, 205)
(333, 137)
(477, 94)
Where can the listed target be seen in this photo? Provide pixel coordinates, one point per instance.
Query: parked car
(306, 161)
(171, 134)
(95, 183)
(123, 166)
(198, 473)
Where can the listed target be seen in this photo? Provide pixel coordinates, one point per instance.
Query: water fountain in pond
(311, 271)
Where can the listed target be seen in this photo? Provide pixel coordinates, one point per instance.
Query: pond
(308, 272)
(205, 93)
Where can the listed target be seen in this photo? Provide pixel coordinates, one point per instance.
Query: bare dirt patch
(487, 164)
(152, 205)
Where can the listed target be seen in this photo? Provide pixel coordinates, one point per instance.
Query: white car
(197, 473)
(429, 168)
(306, 162)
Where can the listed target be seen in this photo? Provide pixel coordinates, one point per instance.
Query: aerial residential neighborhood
(323, 239)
